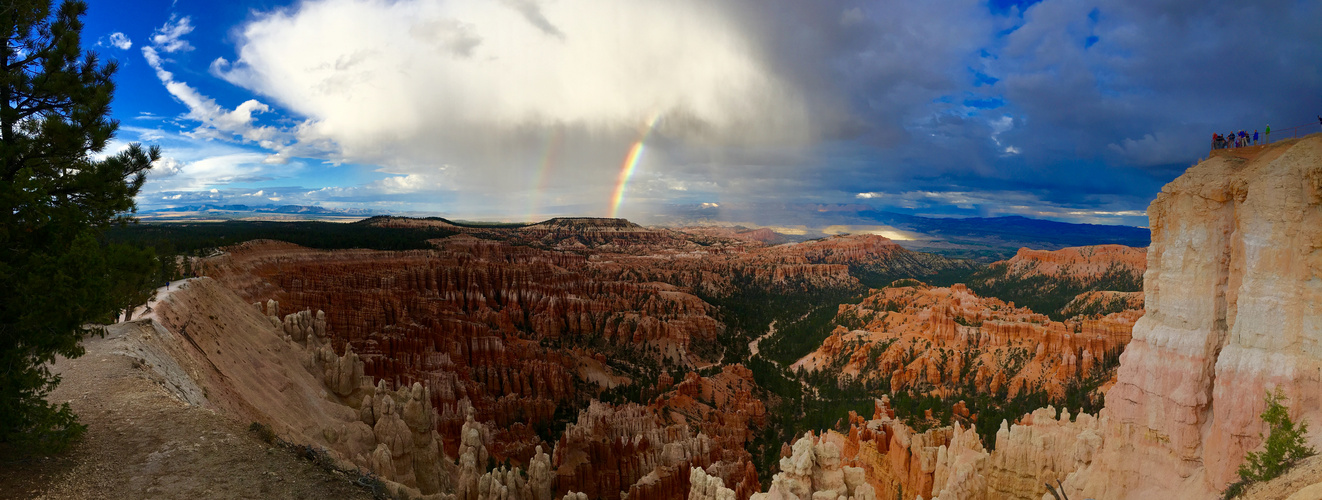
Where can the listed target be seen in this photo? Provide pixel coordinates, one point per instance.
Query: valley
(628, 355)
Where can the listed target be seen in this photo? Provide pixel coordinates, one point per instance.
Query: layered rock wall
(1233, 294)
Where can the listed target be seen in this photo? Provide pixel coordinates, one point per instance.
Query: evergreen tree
(56, 197)
(1284, 446)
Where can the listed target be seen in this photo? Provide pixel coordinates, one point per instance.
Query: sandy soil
(1307, 473)
(145, 441)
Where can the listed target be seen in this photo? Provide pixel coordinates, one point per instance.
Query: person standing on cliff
(1255, 137)
(1269, 133)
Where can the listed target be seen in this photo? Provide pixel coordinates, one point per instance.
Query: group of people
(1236, 139)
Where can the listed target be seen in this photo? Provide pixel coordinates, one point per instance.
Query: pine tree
(1284, 446)
(56, 196)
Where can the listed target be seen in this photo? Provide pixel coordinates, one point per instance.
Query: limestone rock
(1232, 299)
(540, 476)
(704, 487)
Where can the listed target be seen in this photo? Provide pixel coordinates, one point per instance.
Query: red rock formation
(1230, 295)
(648, 451)
(943, 336)
(1077, 262)
(470, 319)
(509, 323)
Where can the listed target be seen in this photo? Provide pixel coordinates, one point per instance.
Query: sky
(735, 110)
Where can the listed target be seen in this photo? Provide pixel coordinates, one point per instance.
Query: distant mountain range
(1018, 227)
(277, 209)
(984, 239)
(999, 237)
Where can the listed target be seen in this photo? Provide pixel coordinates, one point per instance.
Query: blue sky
(1074, 110)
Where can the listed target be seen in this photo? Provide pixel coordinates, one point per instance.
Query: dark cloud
(1063, 108)
(1105, 100)
(533, 13)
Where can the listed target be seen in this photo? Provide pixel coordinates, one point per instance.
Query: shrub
(263, 432)
(1283, 447)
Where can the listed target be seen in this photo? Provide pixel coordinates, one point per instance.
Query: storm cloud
(1069, 109)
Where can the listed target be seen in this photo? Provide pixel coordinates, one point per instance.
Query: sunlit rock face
(812, 469)
(1076, 262)
(943, 337)
(1233, 301)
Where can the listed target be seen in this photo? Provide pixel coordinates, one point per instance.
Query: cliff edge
(1233, 290)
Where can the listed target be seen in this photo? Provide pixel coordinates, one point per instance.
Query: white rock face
(705, 487)
(1233, 301)
(813, 472)
(540, 475)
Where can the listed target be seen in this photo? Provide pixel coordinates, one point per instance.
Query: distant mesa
(1077, 262)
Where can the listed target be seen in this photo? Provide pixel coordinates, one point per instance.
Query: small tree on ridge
(1284, 446)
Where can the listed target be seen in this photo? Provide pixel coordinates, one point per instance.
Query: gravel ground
(1307, 473)
(144, 442)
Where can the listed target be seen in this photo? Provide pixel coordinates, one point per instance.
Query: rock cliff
(1063, 283)
(1233, 294)
(249, 365)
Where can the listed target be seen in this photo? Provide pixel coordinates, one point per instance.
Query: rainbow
(554, 144)
(630, 164)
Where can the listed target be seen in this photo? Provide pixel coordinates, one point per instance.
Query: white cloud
(1000, 126)
(215, 121)
(120, 41)
(165, 167)
(411, 183)
(194, 164)
(993, 203)
(169, 38)
(487, 87)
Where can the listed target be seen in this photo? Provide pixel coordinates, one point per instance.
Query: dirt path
(752, 345)
(148, 310)
(143, 442)
(771, 330)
